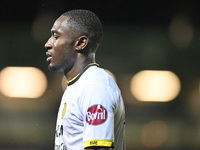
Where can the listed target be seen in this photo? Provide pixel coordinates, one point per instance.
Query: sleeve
(98, 113)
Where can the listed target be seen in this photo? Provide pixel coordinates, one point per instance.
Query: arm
(99, 119)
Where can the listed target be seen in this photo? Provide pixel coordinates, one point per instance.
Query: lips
(49, 54)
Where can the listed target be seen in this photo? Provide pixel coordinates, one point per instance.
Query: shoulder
(99, 86)
(97, 75)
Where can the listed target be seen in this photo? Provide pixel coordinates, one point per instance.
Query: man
(91, 114)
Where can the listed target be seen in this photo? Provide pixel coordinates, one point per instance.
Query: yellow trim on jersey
(73, 79)
(80, 73)
(96, 142)
(93, 64)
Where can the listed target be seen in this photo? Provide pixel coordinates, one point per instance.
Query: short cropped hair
(83, 21)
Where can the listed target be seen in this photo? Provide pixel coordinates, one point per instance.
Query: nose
(48, 44)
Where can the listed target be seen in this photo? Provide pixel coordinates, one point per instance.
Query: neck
(79, 65)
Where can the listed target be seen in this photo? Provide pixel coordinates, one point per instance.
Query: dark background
(132, 11)
(136, 37)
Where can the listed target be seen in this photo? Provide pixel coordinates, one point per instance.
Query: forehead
(60, 24)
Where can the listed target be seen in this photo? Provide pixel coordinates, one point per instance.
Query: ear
(81, 43)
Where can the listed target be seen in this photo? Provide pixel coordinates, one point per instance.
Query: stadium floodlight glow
(181, 31)
(155, 86)
(22, 82)
(154, 133)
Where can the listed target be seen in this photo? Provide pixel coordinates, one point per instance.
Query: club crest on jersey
(96, 114)
(64, 110)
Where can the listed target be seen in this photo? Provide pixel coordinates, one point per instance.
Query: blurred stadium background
(151, 47)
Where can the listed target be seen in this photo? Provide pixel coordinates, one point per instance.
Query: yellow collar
(78, 75)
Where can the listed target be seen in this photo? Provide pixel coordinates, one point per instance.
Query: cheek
(55, 43)
(60, 43)
(63, 48)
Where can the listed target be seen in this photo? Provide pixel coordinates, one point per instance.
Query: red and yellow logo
(96, 114)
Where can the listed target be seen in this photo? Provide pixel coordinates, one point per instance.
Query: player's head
(74, 33)
(85, 22)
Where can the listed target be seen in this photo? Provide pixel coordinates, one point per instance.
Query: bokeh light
(199, 88)
(154, 133)
(155, 86)
(23, 82)
(193, 97)
(181, 31)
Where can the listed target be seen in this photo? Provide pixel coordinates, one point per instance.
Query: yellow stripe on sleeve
(95, 142)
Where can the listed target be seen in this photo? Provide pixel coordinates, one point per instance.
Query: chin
(55, 68)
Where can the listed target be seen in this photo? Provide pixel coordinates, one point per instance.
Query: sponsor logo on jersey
(96, 114)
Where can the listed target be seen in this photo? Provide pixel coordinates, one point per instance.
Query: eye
(55, 35)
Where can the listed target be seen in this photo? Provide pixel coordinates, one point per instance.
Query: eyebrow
(54, 31)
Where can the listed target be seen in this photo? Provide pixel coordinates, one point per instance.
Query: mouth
(49, 54)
